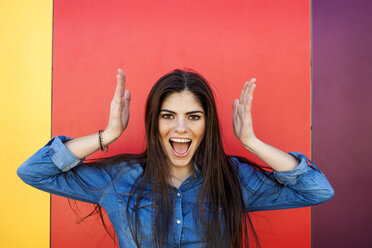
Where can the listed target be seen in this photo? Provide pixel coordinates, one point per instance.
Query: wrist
(251, 144)
(108, 137)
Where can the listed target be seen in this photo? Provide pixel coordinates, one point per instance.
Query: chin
(180, 162)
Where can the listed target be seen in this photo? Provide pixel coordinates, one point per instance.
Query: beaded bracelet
(100, 140)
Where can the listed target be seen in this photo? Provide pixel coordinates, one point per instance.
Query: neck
(180, 174)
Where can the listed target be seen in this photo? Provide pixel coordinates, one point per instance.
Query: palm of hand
(119, 109)
(242, 117)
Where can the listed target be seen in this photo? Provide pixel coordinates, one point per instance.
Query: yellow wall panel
(25, 117)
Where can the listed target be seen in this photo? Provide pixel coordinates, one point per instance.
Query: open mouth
(180, 146)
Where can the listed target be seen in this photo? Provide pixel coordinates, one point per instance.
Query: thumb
(127, 97)
(235, 107)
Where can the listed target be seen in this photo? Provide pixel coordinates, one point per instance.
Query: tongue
(180, 147)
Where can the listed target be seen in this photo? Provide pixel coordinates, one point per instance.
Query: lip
(180, 155)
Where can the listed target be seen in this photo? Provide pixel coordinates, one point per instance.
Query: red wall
(226, 41)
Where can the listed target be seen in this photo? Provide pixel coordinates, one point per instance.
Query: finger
(126, 102)
(243, 91)
(249, 90)
(250, 98)
(121, 73)
(127, 97)
(245, 96)
(120, 87)
(252, 87)
(246, 93)
(235, 107)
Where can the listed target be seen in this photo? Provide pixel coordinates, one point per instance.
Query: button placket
(178, 216)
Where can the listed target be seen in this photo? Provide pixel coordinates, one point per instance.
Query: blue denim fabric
(56, 170)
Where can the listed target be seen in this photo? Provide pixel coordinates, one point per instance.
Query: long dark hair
(227, 222)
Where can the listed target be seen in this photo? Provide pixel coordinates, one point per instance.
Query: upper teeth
(180, 140)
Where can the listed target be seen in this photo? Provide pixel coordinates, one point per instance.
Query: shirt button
(178, 194)
(178, 222)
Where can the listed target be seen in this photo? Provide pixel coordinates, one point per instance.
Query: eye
(167, 116)
(194, 117)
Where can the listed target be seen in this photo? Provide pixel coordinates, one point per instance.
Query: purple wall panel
(342, 120)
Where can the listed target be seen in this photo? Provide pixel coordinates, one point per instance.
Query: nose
(181, 126)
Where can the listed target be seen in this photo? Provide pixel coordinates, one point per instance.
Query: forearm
(275, 158)
(54, 169)
(84, 146)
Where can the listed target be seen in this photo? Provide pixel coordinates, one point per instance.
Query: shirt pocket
(207, 214)
(144, 210)
(209, 207)
(207, 211)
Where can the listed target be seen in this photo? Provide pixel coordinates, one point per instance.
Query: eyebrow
(188, 113)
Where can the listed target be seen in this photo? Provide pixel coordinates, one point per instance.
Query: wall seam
(311, 109)
(51, 123)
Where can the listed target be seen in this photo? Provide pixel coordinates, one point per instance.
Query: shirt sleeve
(56, 170)
(303, 186)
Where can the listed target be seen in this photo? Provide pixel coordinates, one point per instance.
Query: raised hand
(242, 117)
(119, 110)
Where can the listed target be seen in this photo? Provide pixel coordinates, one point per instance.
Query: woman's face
(181, 128)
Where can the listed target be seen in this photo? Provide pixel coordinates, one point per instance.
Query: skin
(242, 117)
(243, 129)
(242, 123)
(119, 108)
(181, 116)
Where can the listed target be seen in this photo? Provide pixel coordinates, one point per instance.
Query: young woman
(183, 190)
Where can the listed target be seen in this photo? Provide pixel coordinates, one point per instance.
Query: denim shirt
(56, 170)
